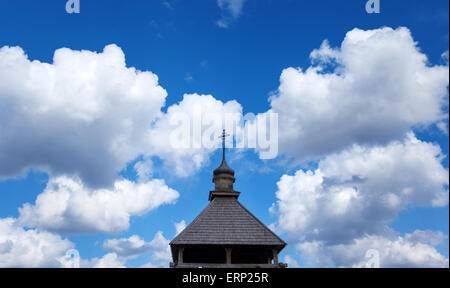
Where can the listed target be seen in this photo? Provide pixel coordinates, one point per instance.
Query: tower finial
(223, 176)
(223, 136)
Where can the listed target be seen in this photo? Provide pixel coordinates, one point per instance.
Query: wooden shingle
(225, 221)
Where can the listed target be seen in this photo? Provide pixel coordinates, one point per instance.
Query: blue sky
(182, 43)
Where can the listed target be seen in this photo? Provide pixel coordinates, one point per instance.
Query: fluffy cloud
(372, 89)
(127, 247)
(360, 190)
(35, 248)
(88, 115)
(191, 120)
(29, 248)
(231, 10)
(161, 249)
(409, 251)
(84, 114)
(68, 206)
(179, 227)
(135, 246)
(110, 260)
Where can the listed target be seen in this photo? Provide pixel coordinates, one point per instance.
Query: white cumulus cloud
(68, 206)
(87, 114)
(391, 252)
(373, 89)
(127, 247)
(110, 260)
(134, 246)
(30, 248)
(360, 190)
(356, 193)
(84, 114)
(180, 226)
(204, 116)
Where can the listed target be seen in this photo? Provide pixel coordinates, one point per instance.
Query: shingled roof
(226, 222)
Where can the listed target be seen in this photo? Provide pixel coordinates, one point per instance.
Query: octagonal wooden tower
(225, 233)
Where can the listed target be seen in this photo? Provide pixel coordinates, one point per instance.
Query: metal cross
(223, 136)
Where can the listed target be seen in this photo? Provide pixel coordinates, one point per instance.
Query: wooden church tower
(226, 234)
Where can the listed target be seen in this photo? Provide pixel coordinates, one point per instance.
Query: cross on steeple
(223, 176)
(223, 137)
